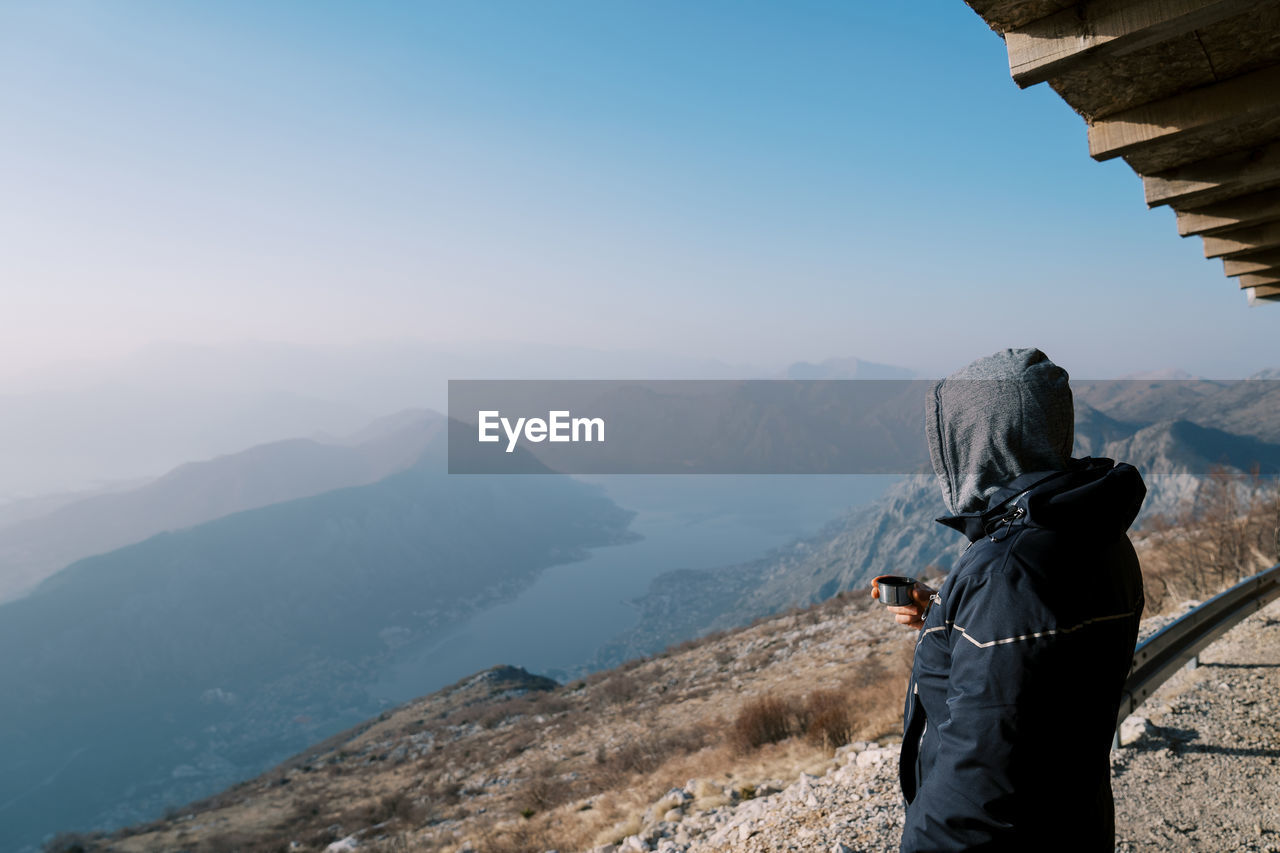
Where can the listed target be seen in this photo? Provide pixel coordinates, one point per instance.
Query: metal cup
(895, 590)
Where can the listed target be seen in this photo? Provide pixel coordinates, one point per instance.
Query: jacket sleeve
(1000, 678)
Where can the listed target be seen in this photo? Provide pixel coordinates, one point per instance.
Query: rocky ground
(854, 806)
(505, 762)
(1199, 771)
(1203, 769)
(642, 758)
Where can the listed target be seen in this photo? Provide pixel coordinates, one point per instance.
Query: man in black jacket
(1023, 652)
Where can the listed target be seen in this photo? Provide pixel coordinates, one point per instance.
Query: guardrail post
(1194, 662)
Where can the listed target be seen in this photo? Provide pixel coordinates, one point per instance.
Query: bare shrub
(828, 718)
(398, 805)
(546, 789)
(401, 806)
(305, 810)
(522, 738)
(444, 791)
(549, 703)
(241, 842)
(323, 837)
(523, 837)
(870, 671)
(648, 752)
(68, 842)
(1230, 530)
(766, 719)
(620, 688)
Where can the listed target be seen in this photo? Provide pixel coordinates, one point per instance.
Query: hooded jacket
(1023, 654)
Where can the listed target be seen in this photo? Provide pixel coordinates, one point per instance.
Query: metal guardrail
(1180, 643)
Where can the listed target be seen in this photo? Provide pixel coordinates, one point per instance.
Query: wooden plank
(1251, 263)
(1004, 15)
(1265, 272)
(1263, 294)
(1166, 132)
(1215, 179)
(1252, 209)
(1259, 281)
(1094, 32)
(1243, 240)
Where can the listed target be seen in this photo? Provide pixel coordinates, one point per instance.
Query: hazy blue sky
(758, 182)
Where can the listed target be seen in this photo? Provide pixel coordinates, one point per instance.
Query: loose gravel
(1203, 769)
(1199, 771)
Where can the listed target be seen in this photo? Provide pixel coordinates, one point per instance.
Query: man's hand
(911, 615)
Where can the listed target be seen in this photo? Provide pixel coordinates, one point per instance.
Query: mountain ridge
(197, 492)
(897, 534)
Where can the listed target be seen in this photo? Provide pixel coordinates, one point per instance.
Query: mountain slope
(898, 534)
(170, 668)
(201, 491)
(648, 756)
(582, 762)
(895, 535)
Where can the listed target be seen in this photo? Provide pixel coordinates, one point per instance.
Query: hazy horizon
(752, 184)
(80, 426)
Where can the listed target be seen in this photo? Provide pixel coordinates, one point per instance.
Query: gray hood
(1008, 414)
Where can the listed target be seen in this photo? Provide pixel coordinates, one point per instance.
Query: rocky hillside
(1173, 431)
(506, 761)
(895, 535)
(781, 735)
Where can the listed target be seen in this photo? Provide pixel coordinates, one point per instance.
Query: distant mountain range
(846, 368)
(34, 548)
(238, 609)
(78, 425)
(163, 671)
(1172, 431)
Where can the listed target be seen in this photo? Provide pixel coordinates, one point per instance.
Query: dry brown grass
(619, 689)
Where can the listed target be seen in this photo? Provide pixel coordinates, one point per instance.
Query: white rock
(1133, 728)
(342, 845)
(876, 756)
(633, 844)
(848, 748)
